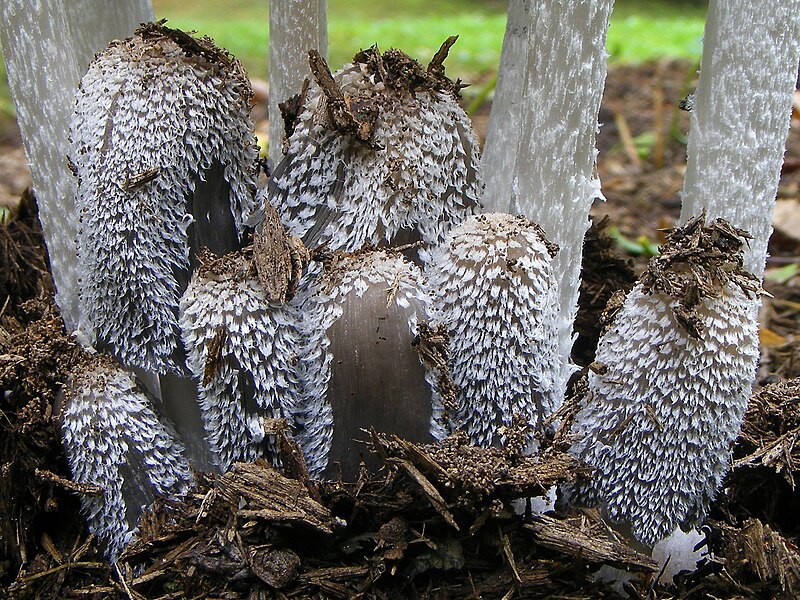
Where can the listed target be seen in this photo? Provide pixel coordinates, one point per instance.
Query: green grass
(641, 30)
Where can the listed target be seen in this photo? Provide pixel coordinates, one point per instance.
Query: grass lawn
(640, 30)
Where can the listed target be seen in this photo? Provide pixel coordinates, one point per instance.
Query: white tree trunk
(740, 117)
(554, 180)
(295, 27)
(503, 135)
(47, 45)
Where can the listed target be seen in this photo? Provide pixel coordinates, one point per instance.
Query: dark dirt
(436, 522)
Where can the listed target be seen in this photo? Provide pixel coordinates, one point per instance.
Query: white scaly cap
(493, 287)
(114, 439)
(380, 153)
(162, 143)
(670, 384)
(242, 350)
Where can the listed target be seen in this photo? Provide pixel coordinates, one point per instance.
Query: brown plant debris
(400, 72)
(770, 436)
(280, 258)
(696, 262)
(751, 561)
(24, 269)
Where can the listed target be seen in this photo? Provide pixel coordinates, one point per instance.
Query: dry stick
(59, 38)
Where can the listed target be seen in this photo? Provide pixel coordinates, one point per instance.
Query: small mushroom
(359, 368)
(165, 155)
(380, 153)
(243, 349)
(679, 359)
(114, 441)
(493, 288)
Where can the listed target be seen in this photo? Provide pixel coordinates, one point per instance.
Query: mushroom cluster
(367, 295)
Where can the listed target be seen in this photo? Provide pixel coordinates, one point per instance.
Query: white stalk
(740, 116)
(554, 180)
(295, 27)
(503, 135)
(47, 46)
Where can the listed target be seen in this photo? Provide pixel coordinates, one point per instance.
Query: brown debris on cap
(401, 72)
(280, 258)
(696, 262)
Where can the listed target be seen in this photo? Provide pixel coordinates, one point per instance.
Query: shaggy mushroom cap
(242, 348)
(114, 440)
(162, 143)
(493, 288)
(359, 368)
(379, 153)
(670, 384)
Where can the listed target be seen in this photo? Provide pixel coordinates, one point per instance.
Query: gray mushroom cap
(380, 153)
(670, 385)
(242, 349)
(113, 439)
(493, 288)
(162, 143)
(359, 368)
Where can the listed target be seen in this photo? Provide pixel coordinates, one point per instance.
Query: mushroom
(243, 347)
(670, 383)
(115, 442)
(493, 288)
(380, 153)
(46, 47)
(295, 26)
(550, 175)
(358, 366)
(740, 116)
(164, 151)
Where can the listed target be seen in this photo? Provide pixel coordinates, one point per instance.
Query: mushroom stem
(554, 181)
(295, 27)
(57, 38)
(502, 136)
(740, 117)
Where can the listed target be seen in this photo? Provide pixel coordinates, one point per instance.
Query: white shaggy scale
(493, 287)
(143, 108)
(658, 426)
(335, 190)
(255, 375)
(114, 439)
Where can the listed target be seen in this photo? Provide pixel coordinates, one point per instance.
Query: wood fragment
(563, 537)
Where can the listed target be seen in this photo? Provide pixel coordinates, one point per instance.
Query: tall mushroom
(552, 133)
(670, 383)
(381, 153)
(165, 154)
(358, 366)
(493, 288)
(115, 442)
(674, 372)
(57, 38)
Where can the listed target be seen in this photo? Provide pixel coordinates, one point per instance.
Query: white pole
(47, 46)
(295, 27)
(740, 116)
(554, 180)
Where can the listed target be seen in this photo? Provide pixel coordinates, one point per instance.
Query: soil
(437, 521)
